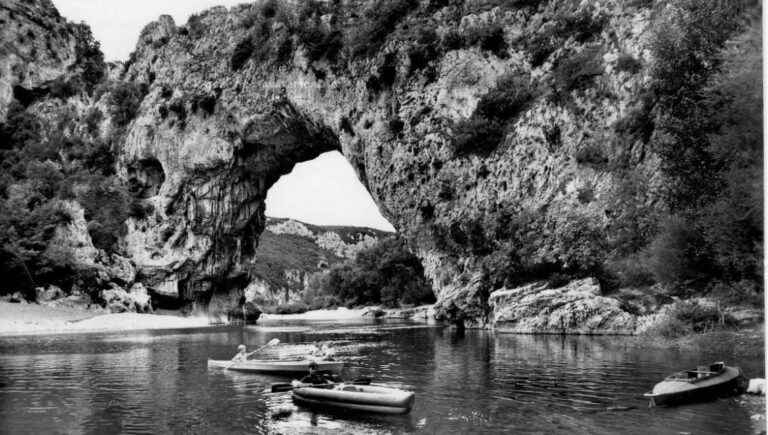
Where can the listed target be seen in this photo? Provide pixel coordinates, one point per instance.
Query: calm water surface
(158, 382)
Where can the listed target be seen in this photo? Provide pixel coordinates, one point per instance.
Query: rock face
(39, 49)
(117, 300)
(268, 112)
(577, 308)
(236, 97)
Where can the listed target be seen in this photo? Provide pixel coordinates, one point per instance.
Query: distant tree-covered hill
(290, 251)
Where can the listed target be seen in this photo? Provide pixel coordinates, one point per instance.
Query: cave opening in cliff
(325, 191)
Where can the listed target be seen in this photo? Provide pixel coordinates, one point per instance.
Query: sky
(325, 191)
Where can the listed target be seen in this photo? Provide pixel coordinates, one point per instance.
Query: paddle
(279, 388)
(272, 342)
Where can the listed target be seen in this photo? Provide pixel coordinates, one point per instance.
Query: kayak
(274, 366)
(362, 398)
(717, 380)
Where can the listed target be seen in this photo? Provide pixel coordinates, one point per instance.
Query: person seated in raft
(319, 377)
(241, 355)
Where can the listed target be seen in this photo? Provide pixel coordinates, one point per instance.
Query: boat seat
(699, 373)
(350, 388)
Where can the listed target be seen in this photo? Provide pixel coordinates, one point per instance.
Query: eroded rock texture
(223, 133)
(577, 308)
(231, 100)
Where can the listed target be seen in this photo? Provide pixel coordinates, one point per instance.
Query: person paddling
(327, 352)
(241, 355)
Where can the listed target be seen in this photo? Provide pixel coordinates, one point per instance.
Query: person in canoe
(327, 352)
(320, 353)
(241, 355)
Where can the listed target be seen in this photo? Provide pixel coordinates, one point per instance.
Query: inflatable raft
(362, 398)
(275, 366)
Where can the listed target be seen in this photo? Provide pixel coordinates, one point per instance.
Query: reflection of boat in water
(717, 380)
(363, 398)
(274, 366)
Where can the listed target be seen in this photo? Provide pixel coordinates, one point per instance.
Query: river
(475, 382)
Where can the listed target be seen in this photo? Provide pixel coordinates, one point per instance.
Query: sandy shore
(26, 319)
(30, 319)
(337, 314)
(341, 313)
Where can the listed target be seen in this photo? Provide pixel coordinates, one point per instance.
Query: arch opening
(317, 215)
(325, 191)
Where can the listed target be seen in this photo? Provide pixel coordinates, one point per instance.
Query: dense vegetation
(280, 253)
(54, 163)
(482, 133)
(387, 273)
(705, 101)
(701, 113)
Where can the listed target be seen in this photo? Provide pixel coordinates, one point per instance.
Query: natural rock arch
(236, 97)
(209, 212)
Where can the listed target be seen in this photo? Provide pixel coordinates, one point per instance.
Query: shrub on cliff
(627, 62)
(88, 56)
(486, 128)
(424, 50)
(242, 53)
(124, 101)
(577, 71)
(319, 43)
(106, 203)
(378, 21)
(592, 155)
(476, 135)
(569, 21)
(489, 38)
(507, 99)
(195, 27)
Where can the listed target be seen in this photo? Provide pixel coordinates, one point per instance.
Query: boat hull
(275, 367)
(676, 393)
(371, 399)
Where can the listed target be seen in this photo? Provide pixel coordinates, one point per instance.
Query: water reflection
(464, 383)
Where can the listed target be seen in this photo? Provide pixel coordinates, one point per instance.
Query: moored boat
(361, 398)
(275, 366)
(703, 383)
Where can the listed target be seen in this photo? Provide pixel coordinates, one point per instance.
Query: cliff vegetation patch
(482, 133)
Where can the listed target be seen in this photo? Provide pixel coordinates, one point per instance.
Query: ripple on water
(475, 382)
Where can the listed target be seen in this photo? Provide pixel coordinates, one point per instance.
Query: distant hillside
(290, 251)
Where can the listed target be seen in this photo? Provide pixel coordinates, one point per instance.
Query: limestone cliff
(477, 127)
(577, 308)
(238, 96)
